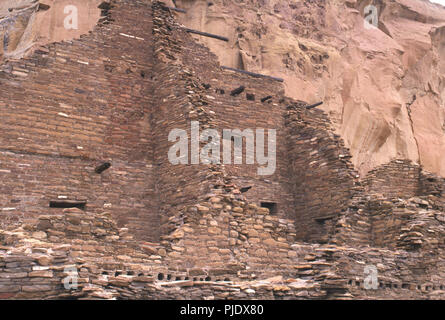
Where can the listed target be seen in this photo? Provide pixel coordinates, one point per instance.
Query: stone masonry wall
(398, 178)
(241, 111)
(178, 99)
(259, 264)
(121, 110)
(197, 235)
(247, 110)
(396, 204)
(324, 180)
(74, 105)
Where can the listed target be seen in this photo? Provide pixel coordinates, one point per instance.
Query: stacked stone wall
(198, 233)
(398, 178)
(324, 180)
(74, 105)
(247, 110)
(242, 111)
(36, 260)
(397, 204)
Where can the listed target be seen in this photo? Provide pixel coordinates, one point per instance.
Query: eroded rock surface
(383, 88)
(25, 24)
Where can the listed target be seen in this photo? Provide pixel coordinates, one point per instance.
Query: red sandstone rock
(382, 88)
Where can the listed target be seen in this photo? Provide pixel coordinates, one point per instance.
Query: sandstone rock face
(25, 24)
(382, 87)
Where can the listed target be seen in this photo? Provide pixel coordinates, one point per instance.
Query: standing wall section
(72, 106)
(239, 111)
(324, 181)
(314, 179)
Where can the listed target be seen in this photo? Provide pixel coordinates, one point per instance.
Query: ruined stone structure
(145, 228)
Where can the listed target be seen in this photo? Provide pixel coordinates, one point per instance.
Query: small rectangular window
(272, 206)
(322, 221)
(67, 204)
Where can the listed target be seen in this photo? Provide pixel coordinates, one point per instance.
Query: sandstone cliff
(383, 88)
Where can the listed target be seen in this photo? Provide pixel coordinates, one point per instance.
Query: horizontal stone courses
(188, 231)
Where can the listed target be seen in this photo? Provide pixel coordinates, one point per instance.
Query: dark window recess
(77, 90)
(67, 204)
(108, 68)
(324, 219)
(250, 96)
(43, 7)
(104, 166)
(6, 41)
(266, 98)
(245, 189)
(105, 7)
(272, 206)
(237, 91)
